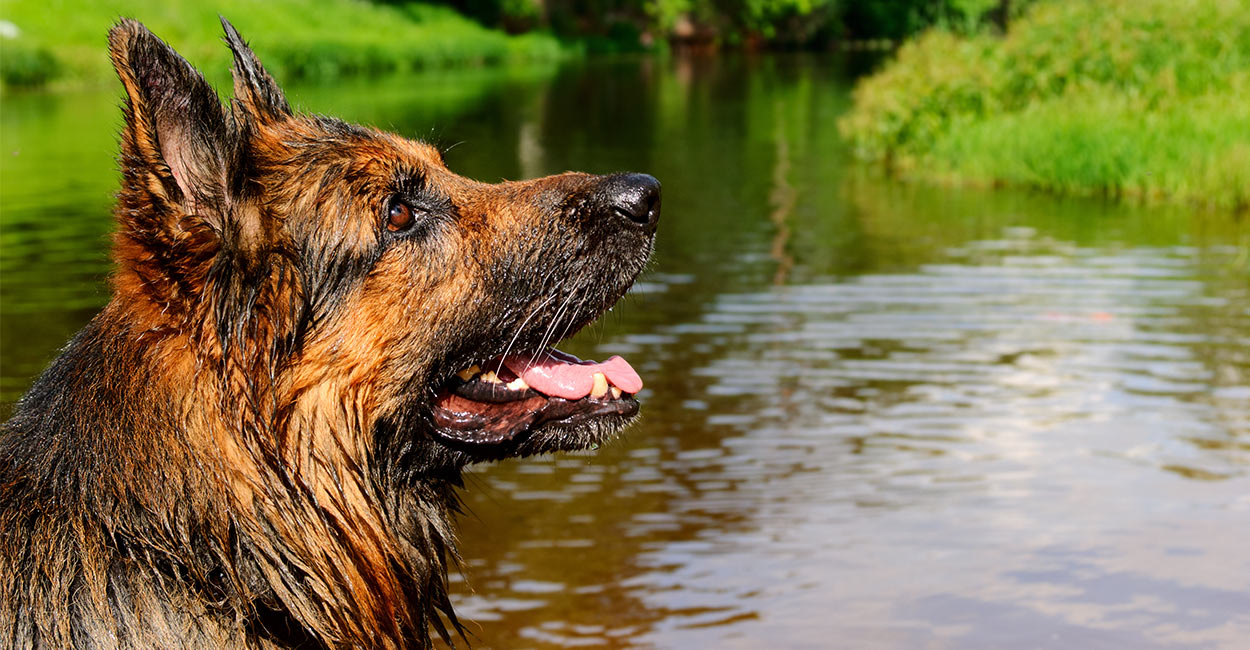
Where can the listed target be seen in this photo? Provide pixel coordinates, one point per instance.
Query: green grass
(1133, 98)
(63, 42)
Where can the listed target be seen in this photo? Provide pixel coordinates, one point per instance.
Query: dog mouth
(499, 400)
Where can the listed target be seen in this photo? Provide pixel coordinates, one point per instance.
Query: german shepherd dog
(314, 327)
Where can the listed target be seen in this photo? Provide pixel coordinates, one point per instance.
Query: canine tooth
(518, 384)
(490, 376)
(616, 393)
(601, 385)
(469, 373)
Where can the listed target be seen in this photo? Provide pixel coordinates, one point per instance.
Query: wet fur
(235, 451)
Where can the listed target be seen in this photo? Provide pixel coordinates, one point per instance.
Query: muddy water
(876, 415)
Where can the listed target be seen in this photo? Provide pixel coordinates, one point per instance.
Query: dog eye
(399, 216)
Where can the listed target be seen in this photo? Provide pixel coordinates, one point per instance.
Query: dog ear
(254, 90)
(176, 130)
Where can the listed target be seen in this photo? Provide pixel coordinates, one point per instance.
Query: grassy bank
(1142, 98)
(62, 42)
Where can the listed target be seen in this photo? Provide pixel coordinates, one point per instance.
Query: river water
(877, 415)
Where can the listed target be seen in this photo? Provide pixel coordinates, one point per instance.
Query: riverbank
(1130, 98)
(65, 46)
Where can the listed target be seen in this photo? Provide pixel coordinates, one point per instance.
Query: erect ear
(176, 136)
(255, 92)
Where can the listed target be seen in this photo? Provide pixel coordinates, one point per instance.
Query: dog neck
(275, 522)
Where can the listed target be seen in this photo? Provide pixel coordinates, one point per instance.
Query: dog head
(349, 290)
(314, 327)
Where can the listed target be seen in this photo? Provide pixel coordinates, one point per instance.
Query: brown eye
(399, 217)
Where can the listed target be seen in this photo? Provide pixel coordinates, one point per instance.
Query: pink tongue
(556, 374)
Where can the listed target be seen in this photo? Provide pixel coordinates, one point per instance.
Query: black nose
(634, 198)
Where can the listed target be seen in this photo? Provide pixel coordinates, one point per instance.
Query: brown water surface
(876, 415)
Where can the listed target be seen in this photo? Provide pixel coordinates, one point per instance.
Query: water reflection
(876, 415)
(971, 450)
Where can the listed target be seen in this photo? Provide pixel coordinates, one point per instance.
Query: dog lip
(464, 421)
(494, 392)
(494, 402)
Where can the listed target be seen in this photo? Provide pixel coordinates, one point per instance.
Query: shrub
(24, 64)
(1130, 97)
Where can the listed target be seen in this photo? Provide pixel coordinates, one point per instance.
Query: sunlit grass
(1141, 99)
(64, 41)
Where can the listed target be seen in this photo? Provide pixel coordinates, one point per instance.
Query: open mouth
(497, 401)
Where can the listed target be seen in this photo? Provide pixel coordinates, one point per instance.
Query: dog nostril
(637, 199)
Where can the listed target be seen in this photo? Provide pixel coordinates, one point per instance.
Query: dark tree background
(634, 24)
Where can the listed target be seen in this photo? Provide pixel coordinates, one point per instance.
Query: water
(877, 415)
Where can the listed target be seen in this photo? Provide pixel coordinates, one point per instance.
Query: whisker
(521, 327)
(569, 324)
(533, 311)
(552, 326)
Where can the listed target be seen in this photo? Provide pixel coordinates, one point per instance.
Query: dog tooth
(490, 376)
(518, 384)
(469, 373)
(616, 393)
(601, 385)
